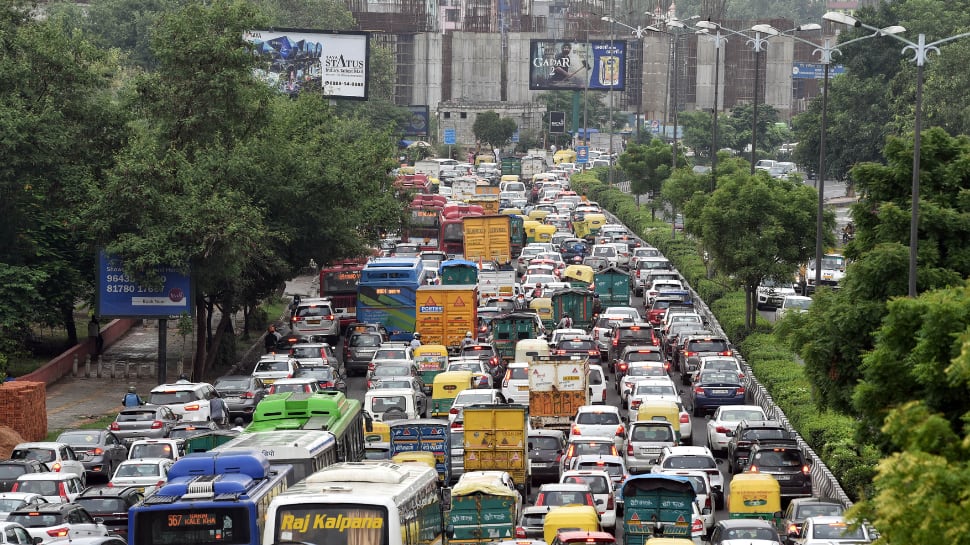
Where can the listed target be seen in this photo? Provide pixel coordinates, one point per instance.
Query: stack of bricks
(23, 407)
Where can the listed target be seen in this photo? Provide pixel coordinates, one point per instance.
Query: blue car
(573, 248)
(713, 389)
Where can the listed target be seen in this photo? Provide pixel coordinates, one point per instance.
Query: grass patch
(99, 424)
(275, 307)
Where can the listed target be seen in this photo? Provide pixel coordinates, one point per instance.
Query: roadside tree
(492, 129)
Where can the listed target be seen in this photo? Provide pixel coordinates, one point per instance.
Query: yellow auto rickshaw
(432, 360)
(446, 387)
(379, 432)
(578, 276)
(538, 215)
(572, 516)
(530, 229)
(755, 495)
(417, 457)
(543, 307)
(661, 410)
(543, 233)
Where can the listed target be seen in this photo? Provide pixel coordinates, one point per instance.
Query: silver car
(145, 422)
(645, 441)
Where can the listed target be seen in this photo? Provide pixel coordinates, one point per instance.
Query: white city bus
(360, 503)
(308, 451)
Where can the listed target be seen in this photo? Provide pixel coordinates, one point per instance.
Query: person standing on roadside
(94, 333)
(272, 339)
(217, 410)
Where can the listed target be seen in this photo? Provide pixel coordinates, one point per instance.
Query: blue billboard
(597, 65)
(120, 296)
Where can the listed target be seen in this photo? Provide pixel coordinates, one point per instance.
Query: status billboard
(295, 61)
(596, 65)
(120, 296)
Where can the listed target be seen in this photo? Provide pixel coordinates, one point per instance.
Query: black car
(624, 334)
(326, 377)
(545, 448)
(110, 504)
(802, 508)
(579, 346)
(101, 451)
(744, 531)
(745, 434)
(783, 460)
(241, 393)
(11, 469)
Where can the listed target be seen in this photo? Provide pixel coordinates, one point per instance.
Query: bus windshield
(332, 524)
(197, 526)
(340, 281)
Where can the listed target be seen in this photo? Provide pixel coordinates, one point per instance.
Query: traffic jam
(513, 367)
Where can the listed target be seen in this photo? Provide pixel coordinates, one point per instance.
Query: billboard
(597, 65)
(557, 122)
(417, 123)
(119, 296)
(296, 61)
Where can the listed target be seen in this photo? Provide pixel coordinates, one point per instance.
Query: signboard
(596, 65)
(811, 70)
(417, 124)
(557, 122)
(311, 60)
(450, 137)
(515, 136)
(582, 155)
(119, 296)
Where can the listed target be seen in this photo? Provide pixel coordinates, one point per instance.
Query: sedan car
(721, 426)
(144, 422)
(111, 504)
(713, 389)
(327, 378)
(100, 451)
(241, 393)
(145, 474)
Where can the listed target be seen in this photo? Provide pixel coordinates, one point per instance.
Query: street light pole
(921, 51)
(719, 41)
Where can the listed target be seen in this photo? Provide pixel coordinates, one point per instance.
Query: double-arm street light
(719, 40)
(825, 51)
(920, 50)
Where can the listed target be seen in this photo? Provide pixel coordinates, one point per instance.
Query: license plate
(782, 477)
(523, 388)
(653, 451)
(141, 489)
(720, 392)
(269, 381)
(313, 322)
(540, 464)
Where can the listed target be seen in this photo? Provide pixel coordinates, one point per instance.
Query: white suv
(696, 458)
(188, 400)
(316, 317)
(599, 421)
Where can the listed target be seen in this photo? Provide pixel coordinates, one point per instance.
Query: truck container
(424, 435)
(532, 165)
(463, 188)
(497, 438)
(511, 328)
(444, 313)
(496, 284)
(578, 303)
(489, 203)
(430, 167)
(558, 387)
(613, 286)
(657, 506)
(511, 165)
(483, 510)
(488, 238)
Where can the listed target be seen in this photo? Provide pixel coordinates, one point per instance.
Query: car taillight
(453, 410)
(793, 529)
(805, 469)
(688, 353)
(295, 319)
(721, 429)
(666, 365)
(593, 352)
(610, 503)
(707, 502)
(56, 466)
(629, 449)
(248, 395)
(519, 532)
(697, 526)
(576, 430)
(655, 342)
(114, 426)
(622, 367)
(289, 375)
(698, 390)
(635, 404)
(616, 341)
(61, 490)
(98, 451)
(57, 532)
(370, 384)
(192, 407)
(740, 390)
(684, 418)
(16, 485)
(159, 484)
(620, 431)
(455, 425)
(371, 366)
(752, 469)
(110, 484)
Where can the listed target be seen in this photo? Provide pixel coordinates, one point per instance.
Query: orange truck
(488, 238)
(443, 314)
(558, 387)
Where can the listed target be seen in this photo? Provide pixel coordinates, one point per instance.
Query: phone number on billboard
(126, 278)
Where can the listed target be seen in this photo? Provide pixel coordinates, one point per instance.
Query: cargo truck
(496, 284)
(488, 238)
(558, 387)
(444, 313)
(484, 509)
(424, 435)
(496, 438)
(659, 506)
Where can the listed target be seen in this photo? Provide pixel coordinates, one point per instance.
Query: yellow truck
(497, 439)
(489, 203)
(488, 238)
(444, 313)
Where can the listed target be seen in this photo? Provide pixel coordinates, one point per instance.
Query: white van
(527, 348)
(156, 448)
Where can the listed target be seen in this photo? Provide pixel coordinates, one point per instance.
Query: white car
(601, 485)
(147, 474)
(698, 458)
(515, 385)
(14, 501)
(597, 384)
(529, 283)
(771, 293)
(637, 371)
(793, 303)
(718, 363)
(659, 285)
(522, 262)
(380, 401)
(568, 333)
(622, 253)
(188, 400)
(48, 523)
(13, 533)
(721, 425)
(651, 389)
(472, 397)
(643, 252)
(607, 252)
(54, 487)
(59, 457)
(831, 531)
(599, 421)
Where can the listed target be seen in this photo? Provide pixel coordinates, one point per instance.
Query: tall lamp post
(920, 50)
(638, 32)
(719, 41)
(825, 52)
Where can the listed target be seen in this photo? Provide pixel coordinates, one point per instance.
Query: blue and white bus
(308, 451)
(211, 498)
(387, 294)
(354, 503)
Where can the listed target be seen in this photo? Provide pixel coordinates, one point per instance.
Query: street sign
(582, 155)
(654, 126)
(557, 122)
(811, 70)
(450, 137)
(515, 136)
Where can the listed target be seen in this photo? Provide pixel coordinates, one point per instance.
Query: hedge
(830, 434)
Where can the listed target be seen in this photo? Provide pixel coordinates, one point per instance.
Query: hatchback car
(359, 350)
(700, 458)
(744, 532)
(633, 354)
(515, 384)
(59, 457)
(713, 389)
(783, 460)
(645, 441)
(17, 501)
(456, 415)
(306, 385)
(54, 487)
(800, 509)
(241, 393)
(581, 446)
(559, 494)
(546, 447)
(188, 400)
(601, 486)
(832, 531)
(58, 521)
(721, 426)
(327, 378)
(146, 421)
(273, 367)
(315, 355)
(111, 505)
(636, 372)
(622, 335)
(145, 474)
(531, 523)
(583, 346)
(599, 421)
(745, 434)
(100, 451)
(11, 469)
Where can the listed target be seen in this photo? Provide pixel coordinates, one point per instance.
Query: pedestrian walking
(565, 323)
(132, 399)
(94, 333)
(218, 412)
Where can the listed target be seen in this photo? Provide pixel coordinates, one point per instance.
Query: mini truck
(657, 506)
(444, 313)
(484, 509)
(424, 435)
(496, 439)
(488, 238)
(558, 387)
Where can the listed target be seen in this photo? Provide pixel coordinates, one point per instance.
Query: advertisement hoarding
(295, 61)
(417, 123)
(597, 65)
(120, 296)
(557, 122)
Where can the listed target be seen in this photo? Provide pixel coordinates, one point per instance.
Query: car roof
(47, 476)
(40, 444)
(182, 385)
(47, 507)
(746, 523)
(598, 409)
(564, 487)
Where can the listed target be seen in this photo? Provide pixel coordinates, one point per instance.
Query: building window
(446, 115)
(464, 115)
(451, 15)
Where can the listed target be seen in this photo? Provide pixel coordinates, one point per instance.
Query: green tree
(648, 166)
(739, 127)
(755, 227)
(492, 129)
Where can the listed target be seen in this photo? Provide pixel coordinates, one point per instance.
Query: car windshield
(473, 397)
(136, 416)
(40, 454)
(103, 505)
(314, 311)
(319, 373)
(283, 388)
(764, 433)
(519, 373)
(169, 398)
(365, 340)
(597, 418)
(35, 521)
(79, 439)
(718, 377)
(391, 354)
(597, 484)
(638, 334)
(233, 383)
(392, 371)
(475, 367)
(545, 443)
(689, 462)
(655, 390)
(11, 471)
(707, 346)
(137, 470)
(272, 366)
(736, 415)
(152, 450)
(308, 352)
(384, 404)
(652, 434)
(44, 488)
(818, 510)
(777, 458)
(614, 469)
(752, 534)
(647, 371)
(643, 356)
(577, 345)
(558, 498)
(837, 531)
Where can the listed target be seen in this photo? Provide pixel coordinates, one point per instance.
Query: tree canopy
(492, 129)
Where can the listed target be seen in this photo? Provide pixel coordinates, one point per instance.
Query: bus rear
(339, 283)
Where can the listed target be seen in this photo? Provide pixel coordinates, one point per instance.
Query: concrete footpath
(131, 361)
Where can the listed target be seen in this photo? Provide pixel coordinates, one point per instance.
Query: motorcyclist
(468, 340)
(416, 341)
